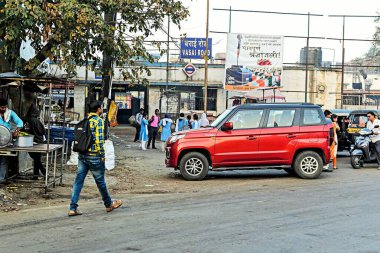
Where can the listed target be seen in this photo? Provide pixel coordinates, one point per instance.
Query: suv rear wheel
(308, 165)
(193, 166)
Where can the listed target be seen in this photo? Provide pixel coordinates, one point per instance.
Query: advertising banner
(195, 48)
(253, 61)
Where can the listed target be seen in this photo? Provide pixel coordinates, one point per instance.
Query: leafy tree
(375, 49)
(72, 32)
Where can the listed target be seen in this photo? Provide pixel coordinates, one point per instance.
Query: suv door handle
(251, 137)
(292, 136)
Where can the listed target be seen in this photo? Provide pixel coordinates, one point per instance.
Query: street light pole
(206, 61)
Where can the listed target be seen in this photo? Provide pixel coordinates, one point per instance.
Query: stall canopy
(268, 95)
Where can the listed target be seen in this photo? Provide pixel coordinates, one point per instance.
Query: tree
(73, 32)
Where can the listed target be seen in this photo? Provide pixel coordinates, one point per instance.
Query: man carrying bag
(89, 143)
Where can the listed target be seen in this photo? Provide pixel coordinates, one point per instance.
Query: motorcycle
(362, 151)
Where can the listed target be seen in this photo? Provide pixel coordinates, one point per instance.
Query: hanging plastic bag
(109, 154)
(73, 157)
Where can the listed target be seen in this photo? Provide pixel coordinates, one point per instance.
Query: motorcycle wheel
(355, 161)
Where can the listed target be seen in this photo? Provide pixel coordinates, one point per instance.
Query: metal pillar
(343, 52)
(307, 55)
(206, 60)
(167, 57)
(229, 31)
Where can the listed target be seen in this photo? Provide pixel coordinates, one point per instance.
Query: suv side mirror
(227, 126)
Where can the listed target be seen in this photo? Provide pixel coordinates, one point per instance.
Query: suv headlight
(176, 138)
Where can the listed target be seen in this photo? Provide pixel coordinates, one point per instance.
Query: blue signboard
(195, 48)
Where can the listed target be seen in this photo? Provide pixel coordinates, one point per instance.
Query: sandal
(115, 204)
(74, 212)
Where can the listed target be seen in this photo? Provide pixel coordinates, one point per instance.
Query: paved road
(340, 212)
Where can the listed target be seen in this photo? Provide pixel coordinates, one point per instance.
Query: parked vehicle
(238, 75)
(362, 151)
(344, 142)
(293, 137)
(357, 121)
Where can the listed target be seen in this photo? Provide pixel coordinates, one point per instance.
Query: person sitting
(7, 117)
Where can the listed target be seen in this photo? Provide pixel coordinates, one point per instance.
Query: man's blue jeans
(97, 167)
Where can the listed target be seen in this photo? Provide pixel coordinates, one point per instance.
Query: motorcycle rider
(375, 138)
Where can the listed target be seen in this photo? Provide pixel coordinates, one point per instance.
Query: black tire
(290, 171)
(355, 161)
(308, 165)
(193, 166)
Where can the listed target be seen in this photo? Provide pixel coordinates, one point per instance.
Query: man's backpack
(83, 139)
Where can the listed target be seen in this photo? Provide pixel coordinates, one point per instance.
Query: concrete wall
(154, 99)
(80, 100)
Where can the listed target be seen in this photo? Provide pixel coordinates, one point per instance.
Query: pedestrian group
(147, 130)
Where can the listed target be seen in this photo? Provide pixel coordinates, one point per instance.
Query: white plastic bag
(109, 154)
(73, 157)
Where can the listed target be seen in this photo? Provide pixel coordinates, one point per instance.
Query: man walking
(374, 124)
(93, 160)
(139, 117)
(153, 131)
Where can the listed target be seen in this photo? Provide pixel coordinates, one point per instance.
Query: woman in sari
(334, 145)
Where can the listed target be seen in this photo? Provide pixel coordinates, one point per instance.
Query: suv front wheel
(193, 166)
(308, 165)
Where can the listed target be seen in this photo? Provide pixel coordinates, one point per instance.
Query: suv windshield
(221, 117)
(358, 120)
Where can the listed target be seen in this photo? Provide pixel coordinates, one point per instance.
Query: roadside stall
(265, 95)
(55, 147)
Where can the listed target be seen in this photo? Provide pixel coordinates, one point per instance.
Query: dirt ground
(136, 172)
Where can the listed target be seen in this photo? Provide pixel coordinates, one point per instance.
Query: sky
(286, 25)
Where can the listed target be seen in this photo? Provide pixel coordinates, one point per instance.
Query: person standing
(144, 131)
(7, 117)
(139, 117)
(374, 124)
(166, 124)
(154, 120)
(195, 122)
(189, 121)
(181, 123)
(93, 160)
(328, 115)
(334, 145)
(203, 122)
(35, 127)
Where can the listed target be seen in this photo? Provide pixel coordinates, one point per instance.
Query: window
(358, 120)
(312, 117)
(247, 119)
(281, 118)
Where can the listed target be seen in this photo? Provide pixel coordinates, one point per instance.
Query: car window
(244, 119)
(220, 118)
(281, 118)
(312, 117)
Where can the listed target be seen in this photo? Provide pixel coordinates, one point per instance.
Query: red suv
(293, 137)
